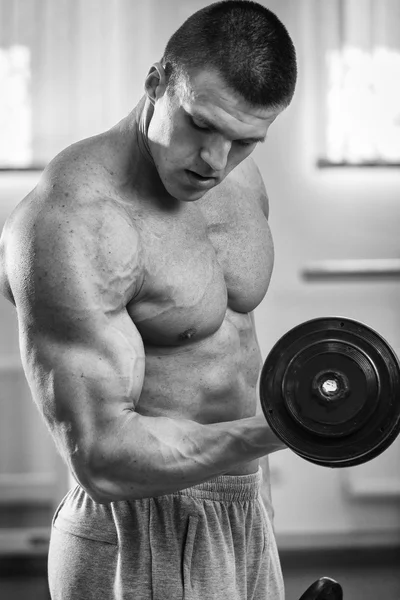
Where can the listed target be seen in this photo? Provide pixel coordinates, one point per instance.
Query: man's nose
(216, 151)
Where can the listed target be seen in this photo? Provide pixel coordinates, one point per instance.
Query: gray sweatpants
(213, 541)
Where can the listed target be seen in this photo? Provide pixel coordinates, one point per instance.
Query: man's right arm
(71, 275)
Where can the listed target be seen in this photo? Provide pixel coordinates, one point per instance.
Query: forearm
(152, 456)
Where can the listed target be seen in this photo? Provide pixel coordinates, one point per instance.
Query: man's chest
(242, 241)
(199, 263)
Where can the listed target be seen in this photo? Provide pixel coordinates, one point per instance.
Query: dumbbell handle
(324, 589)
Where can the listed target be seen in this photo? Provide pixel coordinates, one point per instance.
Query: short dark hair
(245, 43)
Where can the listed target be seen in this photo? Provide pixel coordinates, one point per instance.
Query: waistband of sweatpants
(227, 488)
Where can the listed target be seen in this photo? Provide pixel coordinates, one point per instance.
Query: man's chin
(187, 195)
(193, 197)
(186, 191)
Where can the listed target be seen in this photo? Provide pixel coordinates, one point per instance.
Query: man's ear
(155, 82)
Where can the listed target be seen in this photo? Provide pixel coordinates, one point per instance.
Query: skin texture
(134, 282)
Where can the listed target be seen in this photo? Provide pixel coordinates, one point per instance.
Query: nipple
(189, 333)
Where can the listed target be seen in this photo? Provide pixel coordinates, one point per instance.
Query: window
(68, 70)
(15, 106)
(360, 82)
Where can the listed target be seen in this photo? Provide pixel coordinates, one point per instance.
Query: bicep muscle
(72, 275)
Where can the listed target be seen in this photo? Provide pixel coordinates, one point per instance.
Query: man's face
(200, 132)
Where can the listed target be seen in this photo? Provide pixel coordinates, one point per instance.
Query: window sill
(323, 163)
(31, 169)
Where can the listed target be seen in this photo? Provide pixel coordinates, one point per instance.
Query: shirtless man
(134, 266)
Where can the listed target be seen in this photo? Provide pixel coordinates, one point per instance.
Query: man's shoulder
(246, 181)
(71, 207)
(76, 175)
(73, 190)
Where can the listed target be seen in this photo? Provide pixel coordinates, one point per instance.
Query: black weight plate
(327, 414)
(330, 389)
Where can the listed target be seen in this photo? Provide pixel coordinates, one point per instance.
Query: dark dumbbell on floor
(324, 589)
(330, 390)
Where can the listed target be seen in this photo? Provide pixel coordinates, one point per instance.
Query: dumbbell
(330, 390)
(324, 589)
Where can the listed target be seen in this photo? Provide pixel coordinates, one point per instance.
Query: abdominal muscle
(208, 381)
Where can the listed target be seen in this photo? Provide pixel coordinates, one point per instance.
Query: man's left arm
(266, 493)
(253, 174)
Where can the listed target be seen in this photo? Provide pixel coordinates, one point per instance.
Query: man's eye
(202, 128)
(245, 144)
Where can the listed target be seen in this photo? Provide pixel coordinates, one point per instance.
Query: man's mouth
(200, 180)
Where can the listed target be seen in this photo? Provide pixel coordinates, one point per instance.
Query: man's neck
(141, 170)
(144, 112)
(133, 143)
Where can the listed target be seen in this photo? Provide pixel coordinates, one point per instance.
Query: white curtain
(360, 42)
(68, 69)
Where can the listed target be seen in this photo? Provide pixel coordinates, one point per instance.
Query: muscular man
(134, 267)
